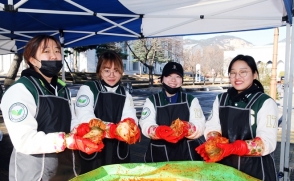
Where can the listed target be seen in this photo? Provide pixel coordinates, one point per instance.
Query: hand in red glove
(75, 142)
(184, 130)
(165, 132)
(126, 130)
(83, 129)
(113, 133)
(201, 151)
(239, 147)
(209, 150)
(180, 129)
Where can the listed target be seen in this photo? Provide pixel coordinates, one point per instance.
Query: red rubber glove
(201, 151)
(75, 142)
(210, 151)
(126, 130)
(239, 147)
(113, 133)
(165, 132)
(83, 129)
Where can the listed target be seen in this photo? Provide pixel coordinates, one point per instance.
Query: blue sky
(258, 37)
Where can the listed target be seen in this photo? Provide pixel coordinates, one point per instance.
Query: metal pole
(273, 84)
(61, 39)
(286, 119)
(289, 108)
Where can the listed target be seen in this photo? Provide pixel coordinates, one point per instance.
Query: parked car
(200, 78)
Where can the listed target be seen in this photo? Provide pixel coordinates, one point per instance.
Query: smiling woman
(107, 100)
(26, 107)
(253, 136)
(171, 119)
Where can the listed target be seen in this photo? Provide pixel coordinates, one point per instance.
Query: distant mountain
(224, 42)
(281, 41)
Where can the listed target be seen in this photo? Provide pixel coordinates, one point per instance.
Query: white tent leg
(285, 103)
(287, 108)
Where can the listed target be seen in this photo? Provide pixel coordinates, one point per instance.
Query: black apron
(236, 125)
(53, 115)
(161, 150)
(108, 107)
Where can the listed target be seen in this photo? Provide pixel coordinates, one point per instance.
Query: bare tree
(148, 51)
(213, 59)
(12, 73)
(264, 76)
(173, 46)
(227, 62)
(191, 58)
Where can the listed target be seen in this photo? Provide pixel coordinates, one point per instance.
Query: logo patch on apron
(18, 112)
(145, 113)
(82, 101)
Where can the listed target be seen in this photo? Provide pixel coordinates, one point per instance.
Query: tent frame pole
(287, 107)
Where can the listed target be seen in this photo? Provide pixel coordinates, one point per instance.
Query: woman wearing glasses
(248, 118)
(105, 99)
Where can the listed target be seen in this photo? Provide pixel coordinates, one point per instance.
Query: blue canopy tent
(89, 22)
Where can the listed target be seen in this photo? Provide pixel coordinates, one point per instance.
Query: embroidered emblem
(82, 101)
(175, 67)
(18, 112)
(145, 113)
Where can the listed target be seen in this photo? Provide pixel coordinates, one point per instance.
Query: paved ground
(137, 150)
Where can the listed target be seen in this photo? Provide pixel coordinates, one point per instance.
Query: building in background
(173, 50)
(262, 54)
(87, 61)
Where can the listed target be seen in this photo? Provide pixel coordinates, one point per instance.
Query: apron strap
(99, 86)
(67, 95)
(122, 90)
(223, 99)
(184, 97)
(156, 100)
(38, 88)
(36, 85)
(254, 98)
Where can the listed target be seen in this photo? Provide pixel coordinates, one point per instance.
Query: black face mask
(50, 68)
(170, 90)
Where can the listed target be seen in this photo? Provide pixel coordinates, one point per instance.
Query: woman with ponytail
(247, 119)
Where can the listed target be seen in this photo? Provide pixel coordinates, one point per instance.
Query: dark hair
(33, 45)
(251, 63)
(106, 59)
